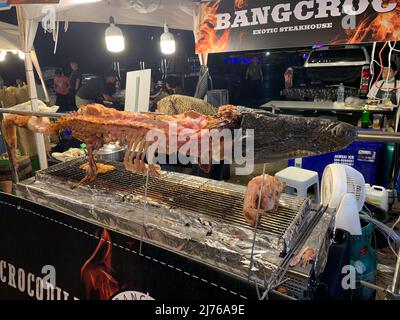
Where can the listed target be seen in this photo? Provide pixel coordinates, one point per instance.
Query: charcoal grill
(192, 216)
(188, 193)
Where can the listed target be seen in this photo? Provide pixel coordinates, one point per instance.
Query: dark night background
(84, 43)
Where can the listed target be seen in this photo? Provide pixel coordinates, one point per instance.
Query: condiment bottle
(365, 118)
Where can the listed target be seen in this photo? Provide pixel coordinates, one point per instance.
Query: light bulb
(167, 42)
(21, 55)
(2, 57)
(115, 40)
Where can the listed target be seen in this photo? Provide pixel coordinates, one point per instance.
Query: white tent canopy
(177, 14)
(10, 41)
(9, 37)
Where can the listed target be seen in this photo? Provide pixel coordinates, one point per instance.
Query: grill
(195, 217)
(185, 192)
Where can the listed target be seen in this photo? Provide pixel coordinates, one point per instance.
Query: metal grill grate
(178, 192)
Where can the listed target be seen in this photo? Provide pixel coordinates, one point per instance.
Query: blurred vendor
(178, 104)
(387, 90)
(61, 88)
(98, 90)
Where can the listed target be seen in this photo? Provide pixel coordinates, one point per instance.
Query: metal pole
(14, 173)
(378, 136)
(30, 78)
(36, 64)
(32, 113)
(396, 278)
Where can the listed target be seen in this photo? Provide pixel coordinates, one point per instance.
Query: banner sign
(239, 25)
(4, 5)
(48, 255)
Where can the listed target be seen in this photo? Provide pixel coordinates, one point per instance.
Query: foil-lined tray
(195, 217)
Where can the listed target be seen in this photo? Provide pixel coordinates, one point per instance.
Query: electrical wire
(377, 83)
(372, 67)
(396, 168)
(369, 213)
(389, 233)
(388, 237)
(393, 48)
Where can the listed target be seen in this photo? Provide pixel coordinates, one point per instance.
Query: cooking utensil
(111, 152)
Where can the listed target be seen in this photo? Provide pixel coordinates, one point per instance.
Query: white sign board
(137, 97)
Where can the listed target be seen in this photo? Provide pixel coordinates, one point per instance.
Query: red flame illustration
(207, 38)
(384, 27)
(97, 270)
(240, 4)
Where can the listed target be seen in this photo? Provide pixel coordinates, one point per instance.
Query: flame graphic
(384, 27)
(207, 39)
(240, 4)
(96, 272)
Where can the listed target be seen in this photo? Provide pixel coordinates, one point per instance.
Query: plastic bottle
(385, 124)
(365, 118)
(340, 93)
(378, 196)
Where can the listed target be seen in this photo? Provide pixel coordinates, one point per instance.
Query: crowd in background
(66, 88)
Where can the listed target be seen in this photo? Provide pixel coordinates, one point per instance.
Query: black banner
(47, 255)
(239, 25)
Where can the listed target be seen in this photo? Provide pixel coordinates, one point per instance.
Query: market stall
(11, 41)
(128, 233)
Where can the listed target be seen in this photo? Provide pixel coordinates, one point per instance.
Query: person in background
(178, 104)
(172, 88)
(161, 91)
(387, 90)
(1, 82)
(19, 83)
(98, 90)
(254, 79)
(75, 82)
(61, 87)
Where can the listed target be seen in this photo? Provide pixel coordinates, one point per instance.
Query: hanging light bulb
(21, 55)
(167, 42)
(2, 57)
(115, 40)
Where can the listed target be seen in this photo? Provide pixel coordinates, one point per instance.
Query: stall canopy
(177, 14)
(10, 41)
(9, 37)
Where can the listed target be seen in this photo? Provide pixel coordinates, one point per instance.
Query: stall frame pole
(14, 173)
(30, 78)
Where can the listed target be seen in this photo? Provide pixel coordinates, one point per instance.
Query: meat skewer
(96, 125)
(275, 137)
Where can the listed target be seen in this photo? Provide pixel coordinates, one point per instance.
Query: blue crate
(362, 156)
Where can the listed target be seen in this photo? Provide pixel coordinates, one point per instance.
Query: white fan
(347, 216)
(343, 188)
(337, 181)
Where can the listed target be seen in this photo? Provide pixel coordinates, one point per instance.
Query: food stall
(127, 235)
